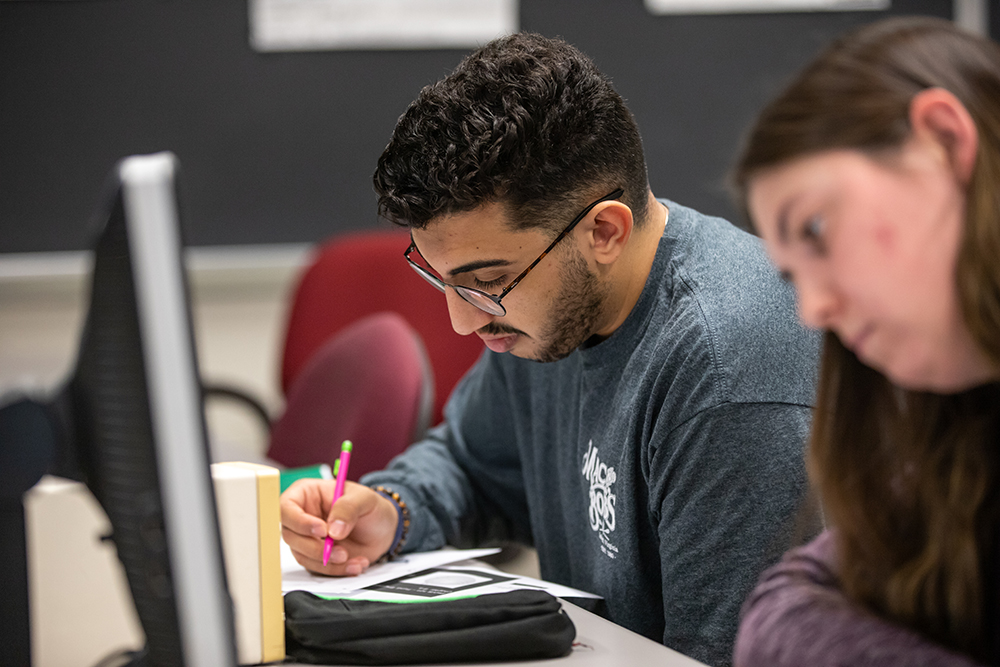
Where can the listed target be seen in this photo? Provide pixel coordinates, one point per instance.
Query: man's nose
(465, 318)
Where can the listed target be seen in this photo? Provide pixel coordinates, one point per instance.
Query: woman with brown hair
(874, 180)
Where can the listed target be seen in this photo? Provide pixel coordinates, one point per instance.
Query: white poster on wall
(746, 6)
(309, 25)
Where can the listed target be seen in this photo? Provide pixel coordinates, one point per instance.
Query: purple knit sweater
(798, 617)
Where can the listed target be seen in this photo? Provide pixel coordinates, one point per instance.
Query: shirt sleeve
(462, 484)
(797, 615)
(727, 488)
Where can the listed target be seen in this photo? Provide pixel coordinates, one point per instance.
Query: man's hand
(362, 524)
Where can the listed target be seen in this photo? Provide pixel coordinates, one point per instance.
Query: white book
(247, 496)
(236, 499)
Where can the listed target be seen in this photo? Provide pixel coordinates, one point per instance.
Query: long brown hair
(909, 480)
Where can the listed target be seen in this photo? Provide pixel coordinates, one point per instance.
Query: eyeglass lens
(478, 299)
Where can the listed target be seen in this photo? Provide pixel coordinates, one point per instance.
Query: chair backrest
(360, 273)
(370, 383)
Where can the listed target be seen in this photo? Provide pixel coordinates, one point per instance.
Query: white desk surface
(599, 643)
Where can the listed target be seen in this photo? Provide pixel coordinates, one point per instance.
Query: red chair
(361, 273)
(369, 383)
(344, 380)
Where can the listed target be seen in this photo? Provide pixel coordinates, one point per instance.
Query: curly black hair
(525, 121)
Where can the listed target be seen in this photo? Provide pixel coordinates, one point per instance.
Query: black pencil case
(519, 625)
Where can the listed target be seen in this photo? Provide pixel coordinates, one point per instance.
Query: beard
(577, 306)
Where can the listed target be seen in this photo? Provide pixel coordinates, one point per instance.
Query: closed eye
(489, 284)
(813, 233)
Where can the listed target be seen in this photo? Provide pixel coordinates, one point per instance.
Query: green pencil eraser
(347, 446)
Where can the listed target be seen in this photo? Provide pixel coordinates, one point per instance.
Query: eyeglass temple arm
(583, 214)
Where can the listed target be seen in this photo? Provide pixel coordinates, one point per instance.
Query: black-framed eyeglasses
(490, 303)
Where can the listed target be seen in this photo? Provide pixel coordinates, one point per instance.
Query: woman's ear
(937, 114)
(610, 231)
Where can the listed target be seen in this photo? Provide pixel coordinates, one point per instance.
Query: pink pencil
(338, 491)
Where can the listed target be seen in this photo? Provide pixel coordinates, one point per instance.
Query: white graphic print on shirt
(602, 499)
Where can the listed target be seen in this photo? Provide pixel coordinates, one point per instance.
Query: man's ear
(610, 231)
(938, 115)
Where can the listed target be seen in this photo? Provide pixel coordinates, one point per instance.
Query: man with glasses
(655, 458)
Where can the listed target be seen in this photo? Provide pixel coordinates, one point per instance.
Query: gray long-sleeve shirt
(661, 468)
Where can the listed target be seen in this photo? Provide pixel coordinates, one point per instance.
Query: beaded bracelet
(402, 525)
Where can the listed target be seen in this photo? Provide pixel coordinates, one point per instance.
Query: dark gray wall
(280, 147)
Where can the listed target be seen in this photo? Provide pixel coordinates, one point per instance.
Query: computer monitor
(130, 423)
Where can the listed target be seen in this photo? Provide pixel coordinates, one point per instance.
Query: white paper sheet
(295, 25)
(744, 6)
(419, 576)
(460, 580)
(294, 577)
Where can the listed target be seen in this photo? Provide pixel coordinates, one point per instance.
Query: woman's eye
(814, 231)
(814, 227)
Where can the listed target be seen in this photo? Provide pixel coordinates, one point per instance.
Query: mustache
(497, 329)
